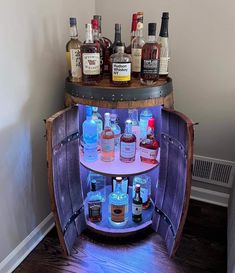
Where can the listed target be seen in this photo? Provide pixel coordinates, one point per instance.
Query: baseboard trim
(209, 196)
(10, 263)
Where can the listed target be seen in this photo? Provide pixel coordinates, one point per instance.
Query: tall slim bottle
(73, 53)
(163, 41)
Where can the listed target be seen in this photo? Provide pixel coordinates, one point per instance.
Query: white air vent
(213, 171)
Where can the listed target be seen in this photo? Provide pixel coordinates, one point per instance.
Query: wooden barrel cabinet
(67, 171)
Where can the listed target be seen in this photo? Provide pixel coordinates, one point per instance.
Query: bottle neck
(164, 28)
(128, 128)
(117, 37)
(118, 187)
(137, 195)
(151, 38)
(150, 130)
(89, 36)
(95, 34)
(73, 32)
(139, 33)
(107, 123)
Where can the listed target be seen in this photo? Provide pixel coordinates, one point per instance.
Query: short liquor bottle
(133, 31)
(96, 116)
(120, 67)
(145, 115)
(137, 205)
(128, 144)
(118, 205)
(163, 41)
(106, 45)
(89, 129)
(107, 140)
(117, 39)
(73, 54)
(116, 130)
(144, 181)
(133, 116)
(149, 146)
(136, 47)
(150, 59)
(90, 56)
(94, 201)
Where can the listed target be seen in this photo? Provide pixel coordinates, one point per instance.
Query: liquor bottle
(125, 184)
(128, 144)
(136, 47)
(149, 146)
(107, 140)
(163, 40)
(89, 129)
(100, 183)
(118, 205)
(145, 115)
(133, 31)
(95, 33)
(90, 56)
(117, 39)
(96, 116)
(137, 205)
(73, 53)
(145, 188)
(94, 201)
(150, 59)
(106, 45)
(120, 67)
(116, 130)
(133, 116)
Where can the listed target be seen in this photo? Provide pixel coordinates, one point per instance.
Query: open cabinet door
(174, 185)
(64, 175)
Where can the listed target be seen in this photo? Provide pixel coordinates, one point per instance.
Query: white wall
(32, 73)
(202, 62)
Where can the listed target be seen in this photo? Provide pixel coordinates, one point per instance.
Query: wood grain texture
(202, 250)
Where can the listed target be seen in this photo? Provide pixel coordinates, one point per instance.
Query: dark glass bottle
(150, 59)
(117, 39)
(133, 31)
(137, 205)
(90, 56)
(94, 200)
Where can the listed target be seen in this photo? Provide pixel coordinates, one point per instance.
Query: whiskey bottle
(133, 116)
(73, 54)
(163, 41)
(117, 39)
(118, 205)
(90, 56)
(127, 144)
(137, 205)
(149, 146)
(94, 201)
(106, 45)
(136, 47)
(145, 189)
(107, 140)
(120, 67)
(133, 31)
(150, 59)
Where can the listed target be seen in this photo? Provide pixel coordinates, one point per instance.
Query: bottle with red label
(149, 146)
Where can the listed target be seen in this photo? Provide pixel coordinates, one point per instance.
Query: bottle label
(94, 209)
(121, 72)
(75, 60)
(150, 67)
(136, 59)
(148, 153)
(118, 213)
(164, 61)
(127, 150)
(91, 63)
(107, 145)
(136, 209)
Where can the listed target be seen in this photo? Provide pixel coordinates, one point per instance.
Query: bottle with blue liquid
(145, 115)
(90, 137)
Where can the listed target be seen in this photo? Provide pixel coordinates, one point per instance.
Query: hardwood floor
(202, 250)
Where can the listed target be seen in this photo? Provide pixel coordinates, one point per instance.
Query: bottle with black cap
(150, 58)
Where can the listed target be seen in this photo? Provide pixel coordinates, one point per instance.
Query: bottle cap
(128, 122)
(165, 15)
(118, 179)
(152, 29)
(94, 108)
(95, 24)
(137, 187)
(72, 21)
(88, 111)
(151, 122)
(107, 115)
(140, 17)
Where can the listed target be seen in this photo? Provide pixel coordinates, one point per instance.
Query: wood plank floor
(202, 250)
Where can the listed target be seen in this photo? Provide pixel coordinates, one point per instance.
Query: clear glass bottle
(136, 47)
(133, 116)
(116, 130)
(118, 205)
(90, 56)
(149, 146)
(94, 202)
(145, 115)
(144, 181)
(128, 144)
(89, 129)
(120, 67)
(107, 140)
(137, 205)
(96, 116)
(100, 183)
(163, 41)
(133, 31)
(73, 53)
(150, 59)
(125, 184)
